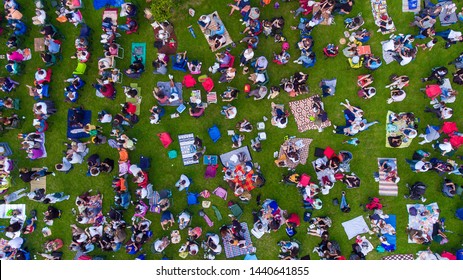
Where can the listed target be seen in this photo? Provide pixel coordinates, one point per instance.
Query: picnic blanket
(391, 238)
(413, 6)
(139, 50)
(187, 148)
(446, 19)
(355, 227)
(394, 128)
(5, 149)
(302, 145)
(76, 132)
(98, 4)
(213, 26)
(426, 216)
(42, 152)
(379, 8)
(304, 115)
(234, 251)
(399, 257)
(39, 44)
(366, 245)
(7, 209)
(165, 87)
(236, 156)
(388, 51)
(165, 38)
(387, 185)
(41, 183)
(331, 84)
(325, 174)
(94, 209)
(135, 101)
(112, 14)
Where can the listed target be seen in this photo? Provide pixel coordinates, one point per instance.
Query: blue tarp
(98, 4)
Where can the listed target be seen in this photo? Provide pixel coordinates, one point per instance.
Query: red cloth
(131, 108)
(449, 256)
(433, 91)
(449, 128)
(305, 180)
(208, 84)
(189, 81)
(294, 218)
(456, 141)
(165, 138)
(329, 152)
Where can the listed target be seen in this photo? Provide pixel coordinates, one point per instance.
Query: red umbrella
(449, 127)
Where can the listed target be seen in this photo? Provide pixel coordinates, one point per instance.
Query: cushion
(329, 152)
(165, 138)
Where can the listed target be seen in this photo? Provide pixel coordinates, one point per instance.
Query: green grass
(164, 172)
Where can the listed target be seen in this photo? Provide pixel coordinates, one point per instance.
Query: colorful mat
(234, 251)
(304, 116)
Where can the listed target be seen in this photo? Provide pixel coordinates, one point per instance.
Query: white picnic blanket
(355, 227)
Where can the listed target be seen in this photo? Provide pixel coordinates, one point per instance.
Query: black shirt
(26, 176)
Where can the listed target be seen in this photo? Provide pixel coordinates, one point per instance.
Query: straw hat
(342, 41)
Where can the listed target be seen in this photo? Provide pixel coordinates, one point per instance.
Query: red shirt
(131, 109)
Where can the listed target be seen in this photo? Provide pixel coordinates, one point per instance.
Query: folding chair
(120, 52)
(80, 69)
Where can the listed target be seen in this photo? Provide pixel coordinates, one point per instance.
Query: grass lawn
(164, 172)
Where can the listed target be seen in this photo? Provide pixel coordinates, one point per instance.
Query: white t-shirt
(454, 34)
(107, 118)
(446, 113)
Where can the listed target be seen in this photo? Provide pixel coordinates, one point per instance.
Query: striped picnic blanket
(187, 148)
(386, 186)
(379, 8)
(234, 251)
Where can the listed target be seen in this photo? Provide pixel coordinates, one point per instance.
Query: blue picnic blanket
(74, 132)
(98, 4)
(391, 238)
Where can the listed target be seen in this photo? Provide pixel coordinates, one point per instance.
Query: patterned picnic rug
(304, 144)
(213, 26)
(399, 257)
(302, 112)
(94, 209)
(234, 251)
(187, 148)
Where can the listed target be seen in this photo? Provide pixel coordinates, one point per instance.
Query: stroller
(354, 23)
(417, 191)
